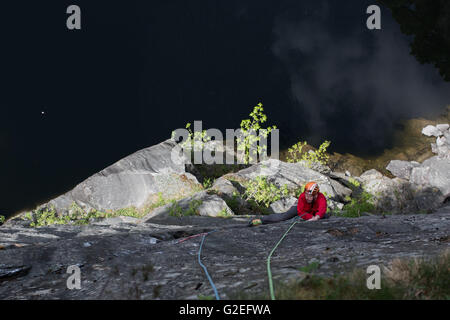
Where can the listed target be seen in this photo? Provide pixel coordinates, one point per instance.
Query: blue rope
(204, 268)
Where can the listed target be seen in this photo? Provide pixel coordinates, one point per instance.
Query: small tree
(319, 155)
(296, 154)
(251, 130)
(196, 140)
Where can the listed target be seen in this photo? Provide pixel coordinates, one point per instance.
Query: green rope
(269, 273)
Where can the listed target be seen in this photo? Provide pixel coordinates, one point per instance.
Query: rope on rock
(193, 236)
(204, 267)
(269, 272)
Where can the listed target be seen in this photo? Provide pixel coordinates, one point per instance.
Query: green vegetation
(263, 192)
(296, 154)
(355, 183)
(233, 203)
(208, 182)
(176, 211)
(2, 220)
(49, 216)
(224, 213)
(78, 216)
(311, 267)
(357, 205)
(251, 131)
(193, 208)
(319, 155)
(196, 140)
(202, 297)
(410, 279)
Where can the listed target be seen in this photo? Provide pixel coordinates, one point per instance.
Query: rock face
(125, 258)
(133, 181)
(201, 203)
(402, 169)
(293, 175)
(433, 172)
(156, 257)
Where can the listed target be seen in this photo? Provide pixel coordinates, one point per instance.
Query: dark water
(139, 69)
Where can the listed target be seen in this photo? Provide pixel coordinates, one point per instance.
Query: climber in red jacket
(311, 206)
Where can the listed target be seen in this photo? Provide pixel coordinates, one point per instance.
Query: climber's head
(311, 191)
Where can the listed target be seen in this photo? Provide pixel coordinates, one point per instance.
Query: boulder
(346, 180)
(134, 181)
(293, 175)
(388, 195)
(442, 127)
(283, 205)
(434, 172)
(316, 166)
(342, 191)
(402, 169)
(431, 131)
(200, 204)
(371, 174)
(442, 134)
(224, 187)
(334, 206)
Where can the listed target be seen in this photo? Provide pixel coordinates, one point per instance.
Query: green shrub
(2, 220)
(196, 140)
(208, 182)
(311, 267)
(320, 155)
(355, 183)
(357, 205)
(251, 130)
(128, 212)
(263, 192)
(193, 208)
(175, 210)
(46, 216)
(233, 203)
(296, 154)
(224, 213)
(77, 216)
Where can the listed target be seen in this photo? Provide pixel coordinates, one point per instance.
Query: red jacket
(308, 210)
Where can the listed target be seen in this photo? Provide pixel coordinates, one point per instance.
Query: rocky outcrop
(155, 257)
(293, 175)
(134, 181)
(402, 169)
(126, 258)
(433, 173)
(399, 195)
(200, 204)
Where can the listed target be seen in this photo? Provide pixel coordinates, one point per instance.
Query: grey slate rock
(134, 180)
(402, 169)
